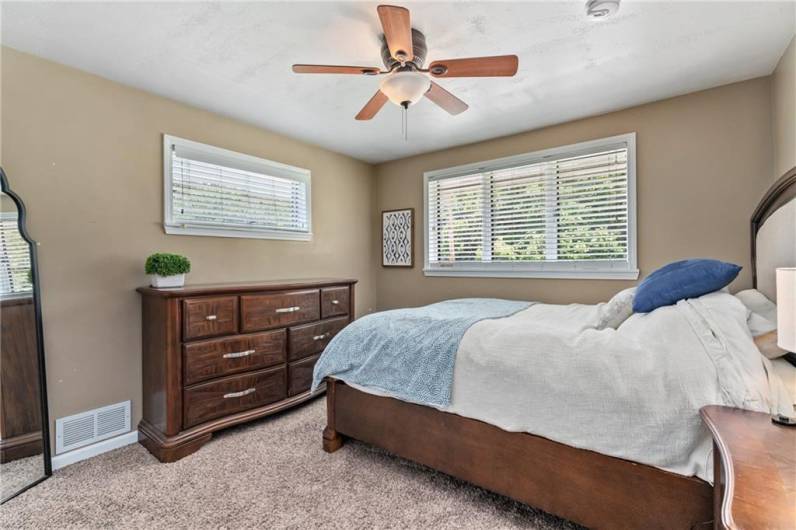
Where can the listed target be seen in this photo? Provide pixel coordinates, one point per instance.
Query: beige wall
(85, 155)
(783, 111)
(703, 161)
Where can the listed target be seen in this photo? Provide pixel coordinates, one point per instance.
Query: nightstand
(754, 470)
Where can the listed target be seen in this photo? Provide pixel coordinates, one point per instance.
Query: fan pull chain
(405, 121)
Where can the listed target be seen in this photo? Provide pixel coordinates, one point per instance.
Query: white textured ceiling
(235, 58)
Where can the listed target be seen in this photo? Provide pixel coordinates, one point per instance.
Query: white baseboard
(98, 448)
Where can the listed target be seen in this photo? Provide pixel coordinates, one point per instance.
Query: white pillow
(617, 310)
(762, 321)
(756, 302)
(759, 325)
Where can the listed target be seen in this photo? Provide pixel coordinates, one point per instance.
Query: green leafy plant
(165, 264)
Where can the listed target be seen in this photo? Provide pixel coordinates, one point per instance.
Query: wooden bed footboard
(589, 488)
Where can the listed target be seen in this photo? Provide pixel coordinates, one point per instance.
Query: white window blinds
(568, 212)
(211, 191)
(14, 258)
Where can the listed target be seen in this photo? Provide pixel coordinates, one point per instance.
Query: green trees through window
(566, 209)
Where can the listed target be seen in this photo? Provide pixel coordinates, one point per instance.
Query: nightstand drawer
(219, 357)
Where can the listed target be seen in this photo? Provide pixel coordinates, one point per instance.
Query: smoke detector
(600, 9)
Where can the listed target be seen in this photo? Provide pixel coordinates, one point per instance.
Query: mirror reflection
(21, 450)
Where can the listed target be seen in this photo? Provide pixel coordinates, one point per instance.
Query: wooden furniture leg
(332, 440)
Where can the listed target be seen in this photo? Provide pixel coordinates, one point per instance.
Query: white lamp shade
(405, 86)
(786, 309)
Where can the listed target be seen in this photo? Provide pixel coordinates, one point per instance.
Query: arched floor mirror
(24, 433)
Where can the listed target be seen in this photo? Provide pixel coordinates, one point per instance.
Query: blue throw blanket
(408, 353)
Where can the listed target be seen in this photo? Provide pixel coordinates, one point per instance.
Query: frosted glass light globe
(405, 86)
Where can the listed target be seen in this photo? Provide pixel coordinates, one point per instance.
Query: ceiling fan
(403, 52)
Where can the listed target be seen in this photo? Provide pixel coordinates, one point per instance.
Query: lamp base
(790, 357)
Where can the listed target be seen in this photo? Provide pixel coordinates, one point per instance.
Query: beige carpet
(269, 474)
(17, 474)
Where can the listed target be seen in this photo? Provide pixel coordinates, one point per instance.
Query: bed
(596, 488)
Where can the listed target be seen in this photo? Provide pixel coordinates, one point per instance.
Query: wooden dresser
(219, 355)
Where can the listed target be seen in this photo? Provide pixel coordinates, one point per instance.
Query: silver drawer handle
(335, 302)
(211, 317)
(321, 337)
(237, 354)
(239, 394)
(288, 309)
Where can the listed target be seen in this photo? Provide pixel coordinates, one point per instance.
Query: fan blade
(397, 32)
(445, 99)
(329, 69)
(498, 66)
(373, 106)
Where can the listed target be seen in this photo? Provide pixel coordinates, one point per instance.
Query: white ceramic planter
(164, 282)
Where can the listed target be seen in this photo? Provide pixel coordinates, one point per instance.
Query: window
(566, 212)
(14, 258)
(215, 192)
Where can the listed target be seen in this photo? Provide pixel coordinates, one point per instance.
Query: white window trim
(172, 227)
(597, 270)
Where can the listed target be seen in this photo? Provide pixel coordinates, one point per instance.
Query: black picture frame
(34, 267)
(411, 229)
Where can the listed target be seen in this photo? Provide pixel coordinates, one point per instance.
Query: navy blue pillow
(682, 279)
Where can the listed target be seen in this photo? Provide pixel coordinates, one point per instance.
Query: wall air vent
(91, 426)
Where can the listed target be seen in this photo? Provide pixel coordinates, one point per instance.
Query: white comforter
(632, 392)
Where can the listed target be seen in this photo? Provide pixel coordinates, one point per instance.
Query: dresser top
(243, 287)
(759, 459)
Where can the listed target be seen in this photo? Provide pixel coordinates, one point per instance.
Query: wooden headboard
(781, 194)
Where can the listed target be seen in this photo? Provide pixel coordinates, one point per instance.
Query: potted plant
(167, 270)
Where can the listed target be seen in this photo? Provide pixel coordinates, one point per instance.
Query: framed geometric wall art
(397, 230)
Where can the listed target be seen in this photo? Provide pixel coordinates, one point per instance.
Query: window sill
(223, 232)
(631, 274)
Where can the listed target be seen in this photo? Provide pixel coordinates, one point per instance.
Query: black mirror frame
(34, 267)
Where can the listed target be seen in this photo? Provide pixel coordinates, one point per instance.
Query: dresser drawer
(299, 375)
(208, 317)
(217, 357)
(236, 393)
(310, 339)
(334, 301)
(273, 310)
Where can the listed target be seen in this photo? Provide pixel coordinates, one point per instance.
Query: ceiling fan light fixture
(405, 88)
(403, 52)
